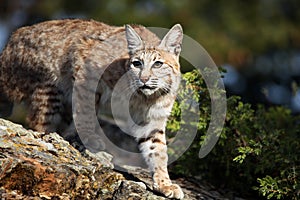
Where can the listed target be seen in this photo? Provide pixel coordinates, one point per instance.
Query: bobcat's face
(153, 71)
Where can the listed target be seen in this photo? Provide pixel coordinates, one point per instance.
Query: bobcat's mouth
(147, 90)
(144, 87)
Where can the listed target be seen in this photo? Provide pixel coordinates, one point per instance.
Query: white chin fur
(148, 92)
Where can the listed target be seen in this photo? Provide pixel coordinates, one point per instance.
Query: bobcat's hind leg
(45, 108)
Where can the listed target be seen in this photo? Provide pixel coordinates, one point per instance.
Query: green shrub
(258, 150)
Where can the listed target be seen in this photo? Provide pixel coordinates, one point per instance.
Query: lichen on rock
(44, 166)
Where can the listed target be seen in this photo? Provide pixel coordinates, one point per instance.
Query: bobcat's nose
(144, 79)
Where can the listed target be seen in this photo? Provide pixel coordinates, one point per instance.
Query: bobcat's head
(154, 69)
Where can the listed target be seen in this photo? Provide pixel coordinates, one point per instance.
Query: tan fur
(43, 63)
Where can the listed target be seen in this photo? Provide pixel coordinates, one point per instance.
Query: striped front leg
(154, 150)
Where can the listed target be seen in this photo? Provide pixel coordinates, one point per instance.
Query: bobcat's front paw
(171, 191)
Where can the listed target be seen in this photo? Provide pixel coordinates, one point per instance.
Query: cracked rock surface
(44, 166)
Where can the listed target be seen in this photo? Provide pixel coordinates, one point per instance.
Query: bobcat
(45, 64)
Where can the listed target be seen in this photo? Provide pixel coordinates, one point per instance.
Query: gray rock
(44, 166)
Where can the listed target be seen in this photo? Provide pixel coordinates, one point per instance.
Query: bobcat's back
(44, 53)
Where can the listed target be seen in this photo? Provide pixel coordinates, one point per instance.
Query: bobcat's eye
(137, 63)
(158, 64)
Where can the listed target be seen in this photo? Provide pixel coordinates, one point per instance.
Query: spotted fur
(42, 63)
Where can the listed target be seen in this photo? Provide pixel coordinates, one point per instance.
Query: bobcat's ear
(134, 41)
(172, 40)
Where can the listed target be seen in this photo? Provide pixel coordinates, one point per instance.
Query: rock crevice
(45, 166)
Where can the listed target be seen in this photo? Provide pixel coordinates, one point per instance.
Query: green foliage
(257, 152)
(258, 147)
(272, 187)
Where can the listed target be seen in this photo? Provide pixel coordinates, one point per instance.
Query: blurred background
(257, 42)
